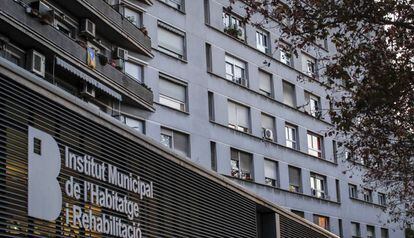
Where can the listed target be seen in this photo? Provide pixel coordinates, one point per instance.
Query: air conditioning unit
(268, 134)
(87, 28)
(119, 64)
(88, 91)
(121, 53)
(43, 11)
(36, 63)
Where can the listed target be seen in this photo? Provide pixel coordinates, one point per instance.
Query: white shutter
(171, 41)
(172, 90)
(232, 112)
(289, 94)
(243, 116)
(270, 169)
(265, 82)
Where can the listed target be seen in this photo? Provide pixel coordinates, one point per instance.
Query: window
(367, 195)
(289, 94)
(370, 231)
(241, 165)
(321, 221)
(172, 94)
(138, 125)
(176, 140)
(266, 85)
(384, 233)
(299, 213)
(341, 229)
(12, 53)
(211, 114)
(318, 185)
(236, 70)
(233, 26)
(291, 135)
(213, 152)
(268, 124)
(209, 62)
(295, 179)
(335, 150)
(381, 199)
(133, 70)
(262, 42)
(314, 145)
(134, 17)
(238, 117)
(309, 66)
(271, 173)
(171, 41)
(338, 190)
(353, 191)
(313, 107)
(286, 54)
(177, 4)
(355, 229)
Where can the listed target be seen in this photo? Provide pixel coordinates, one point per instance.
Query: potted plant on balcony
(234, 31)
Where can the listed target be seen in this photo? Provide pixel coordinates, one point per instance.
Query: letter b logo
(44, 194)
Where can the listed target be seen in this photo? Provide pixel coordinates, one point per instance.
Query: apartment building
(73, 73)
(228, 99)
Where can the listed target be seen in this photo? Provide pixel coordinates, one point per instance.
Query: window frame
(234, 63)
(266, 37)
(125, 119)
(230, 20)
(178, 82)
(172, 141)
(313, 105)
(318, 151)
(316, 220)
(138, 22)
(285, 85)
(141, 79)
(238, 163)
(315, 191)
(357, 231)
(175, 31)
(274, 182)
(372, 229)
(238, 127)
(353, 191)
(181, 8)
(297, 188)
(287, 140)
(367, 195)
(273, 122)
(382, 200)
(270, 78)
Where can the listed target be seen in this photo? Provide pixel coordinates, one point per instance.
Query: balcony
(109, 22)
(29, 33)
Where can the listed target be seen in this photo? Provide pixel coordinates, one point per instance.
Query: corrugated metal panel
(293, 229)
(186, 204)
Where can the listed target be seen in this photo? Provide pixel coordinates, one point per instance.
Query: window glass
(233, 26)
(172, 94)
(262, 41)
(265, 83)
(370, 231)
(318, 184)
(238, 116)
(355, 229)
(295, 182)
(384, 233)
(241, 165)
(314, 145)
(178, 4)
(367, 195)
(133, 16)
(290, 133)
(289, 94)
(286, 57)
(321, 221)
(176, 140)
(171, 41)
(270, 173)
(133, 70)
(134, 123)
(166, 137)
(308, 65)
(352, 191)
(235, 70)
(312, 105)
(381, 199)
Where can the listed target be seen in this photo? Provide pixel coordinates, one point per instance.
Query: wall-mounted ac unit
(268, 134)
(43, 11)
(36, 63)
(87, 28)
(88, 91)
(121, 53)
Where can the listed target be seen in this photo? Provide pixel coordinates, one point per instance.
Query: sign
(45, 193)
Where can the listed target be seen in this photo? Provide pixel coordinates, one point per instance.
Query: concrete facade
(201, 29)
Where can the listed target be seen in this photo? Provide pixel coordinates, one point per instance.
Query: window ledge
(172, 57)
(270, 98)
(171, 108)
(270, 57)
(273, 143)
(283, 190)
(366, 202)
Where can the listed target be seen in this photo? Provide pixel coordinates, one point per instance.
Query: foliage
(371, 83)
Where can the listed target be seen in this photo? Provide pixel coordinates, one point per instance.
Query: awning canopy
(70, 68)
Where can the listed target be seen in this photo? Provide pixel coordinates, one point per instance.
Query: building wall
(196, 122)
